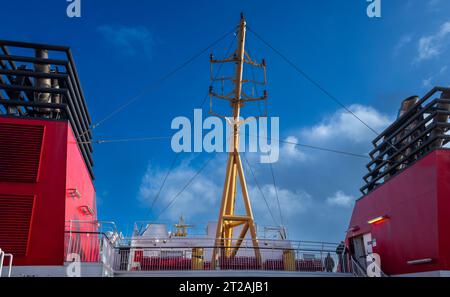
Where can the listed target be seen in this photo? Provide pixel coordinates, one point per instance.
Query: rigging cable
(172, 166)
(319, 86)
(259, 188)
(177, 155)
(185, 187)
(276, 192)
(156, 83)
(311, 80)
(320, 148)
(100, 141)
(350, 154)
(255, 88)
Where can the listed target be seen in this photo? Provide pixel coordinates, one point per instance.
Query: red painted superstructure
(404, 215)
(62, 191)
(416, 203)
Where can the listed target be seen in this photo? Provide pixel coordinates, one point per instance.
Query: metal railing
(90, 242)
(179, 254)
(3, 255)
(199, 258)
(89, 247)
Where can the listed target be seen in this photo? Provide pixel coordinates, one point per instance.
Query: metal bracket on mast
(228, 220)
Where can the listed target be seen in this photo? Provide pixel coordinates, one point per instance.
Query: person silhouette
(329, 263)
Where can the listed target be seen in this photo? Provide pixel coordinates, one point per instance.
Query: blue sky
(122, 47)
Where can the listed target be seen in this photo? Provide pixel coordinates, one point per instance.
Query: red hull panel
(61, 167)
(417, 204)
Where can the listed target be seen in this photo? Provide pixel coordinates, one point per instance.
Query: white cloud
(289, 150)
(128, 40)
(200, 197)
(428, 48)
(343, 124)
(432, 46)
(200, 201)
(340, 199)
(404, 41)
(292, 203)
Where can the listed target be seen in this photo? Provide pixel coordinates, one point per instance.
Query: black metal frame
(18, 84)
(416, 133)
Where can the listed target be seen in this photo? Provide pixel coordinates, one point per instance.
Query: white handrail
(2, 259)
(11, 257)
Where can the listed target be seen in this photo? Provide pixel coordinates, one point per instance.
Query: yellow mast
(228, 220)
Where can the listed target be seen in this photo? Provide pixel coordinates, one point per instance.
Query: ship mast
(228, 220)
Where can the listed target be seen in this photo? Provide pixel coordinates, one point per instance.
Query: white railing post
(10, 263)
(2, 258)
(69, 244)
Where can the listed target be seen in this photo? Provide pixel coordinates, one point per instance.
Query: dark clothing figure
(341, 252)
(329, 263)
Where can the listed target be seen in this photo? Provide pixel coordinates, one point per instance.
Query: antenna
(228, 220)
(181, 228)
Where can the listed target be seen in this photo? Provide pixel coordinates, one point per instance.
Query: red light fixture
(378, 220)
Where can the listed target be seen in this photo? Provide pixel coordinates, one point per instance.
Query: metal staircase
(358, 271)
